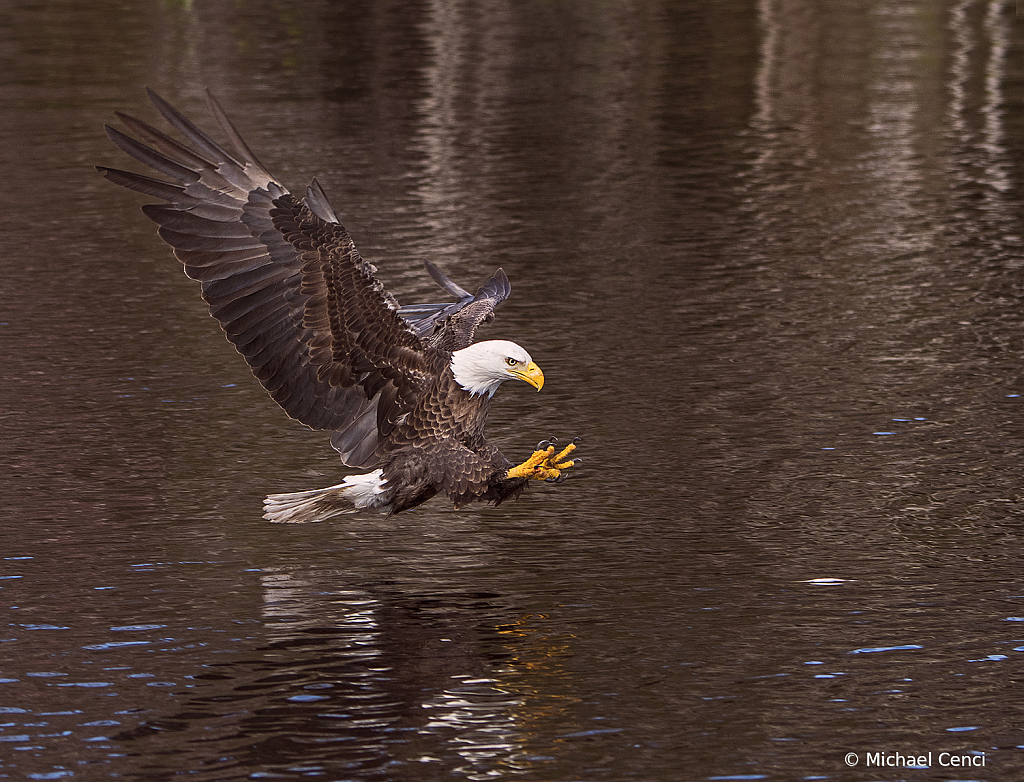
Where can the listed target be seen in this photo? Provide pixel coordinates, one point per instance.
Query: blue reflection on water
(868, 650)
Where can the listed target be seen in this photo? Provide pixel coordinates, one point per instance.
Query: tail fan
(354, 493)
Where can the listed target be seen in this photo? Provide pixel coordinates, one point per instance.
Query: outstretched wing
(452, 326)
(284, 279)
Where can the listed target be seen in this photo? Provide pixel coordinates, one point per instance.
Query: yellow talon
(529, 468)
(562, 454)
(544, 465)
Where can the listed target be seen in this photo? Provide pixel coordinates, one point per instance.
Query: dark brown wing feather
(285, 281)
(452, 327)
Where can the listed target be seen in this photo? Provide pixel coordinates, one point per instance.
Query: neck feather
(474, 374)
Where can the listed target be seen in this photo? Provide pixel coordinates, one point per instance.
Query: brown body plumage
(402, 389)
(459, 463)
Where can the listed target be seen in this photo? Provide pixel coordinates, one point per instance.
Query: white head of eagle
(484, 366)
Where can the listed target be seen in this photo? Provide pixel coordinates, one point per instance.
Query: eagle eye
(511, 361)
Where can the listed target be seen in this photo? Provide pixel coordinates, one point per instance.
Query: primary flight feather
(403, 390)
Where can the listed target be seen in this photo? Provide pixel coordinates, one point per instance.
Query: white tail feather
(352, 494)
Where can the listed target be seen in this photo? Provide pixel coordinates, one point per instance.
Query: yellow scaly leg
(544, 464)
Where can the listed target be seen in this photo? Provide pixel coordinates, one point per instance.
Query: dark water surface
(769, 255)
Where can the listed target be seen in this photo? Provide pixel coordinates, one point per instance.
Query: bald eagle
(404, 390)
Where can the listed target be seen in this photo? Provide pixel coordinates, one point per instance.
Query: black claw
(559, 479)
(543, 444)
(577, 460)
(577, 440)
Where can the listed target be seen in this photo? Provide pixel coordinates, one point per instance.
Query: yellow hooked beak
(530, 374)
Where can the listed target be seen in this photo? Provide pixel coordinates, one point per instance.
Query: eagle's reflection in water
(388, 678)
(377, 681)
